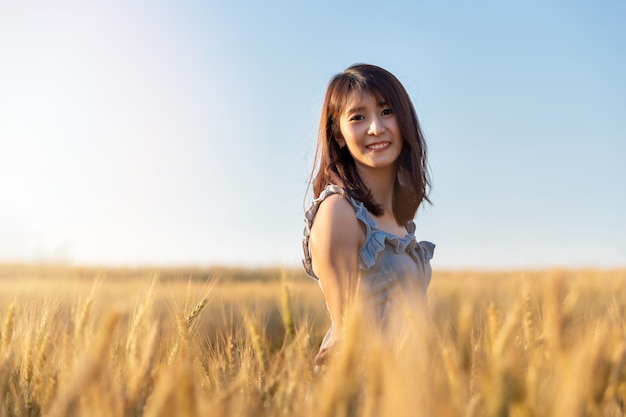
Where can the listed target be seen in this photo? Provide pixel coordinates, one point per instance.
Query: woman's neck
(380, 185)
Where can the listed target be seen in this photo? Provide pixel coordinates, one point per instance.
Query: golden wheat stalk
(7, 328)
(81, 320)
(27, 365)
(185, 324)
(40, 382)
(504, 335)
(142, 379)
(139, 317)
(195, 312)
(6, 369)
(257, 344)
(554, 312)
(493, 323)
(287, 316)
(87, 368)
(528, 321)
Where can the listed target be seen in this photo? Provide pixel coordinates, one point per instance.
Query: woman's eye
(356, 117)
(387, 112)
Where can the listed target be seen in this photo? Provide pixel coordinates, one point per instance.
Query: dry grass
(77, 342)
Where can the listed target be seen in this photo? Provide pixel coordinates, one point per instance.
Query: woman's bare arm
(336, 236)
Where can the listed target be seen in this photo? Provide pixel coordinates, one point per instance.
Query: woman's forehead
(357, 96)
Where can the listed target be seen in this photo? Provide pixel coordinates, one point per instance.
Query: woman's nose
(376, 126)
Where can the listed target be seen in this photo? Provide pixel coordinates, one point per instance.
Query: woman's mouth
(378, 146)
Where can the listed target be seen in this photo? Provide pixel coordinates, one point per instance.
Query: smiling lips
(378, 146)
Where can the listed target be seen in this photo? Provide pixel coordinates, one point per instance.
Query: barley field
(237, 342)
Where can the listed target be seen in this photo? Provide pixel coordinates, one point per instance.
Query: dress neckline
(376, 227)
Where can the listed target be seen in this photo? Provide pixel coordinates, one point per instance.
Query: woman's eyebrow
(355, 109)
(382, 103)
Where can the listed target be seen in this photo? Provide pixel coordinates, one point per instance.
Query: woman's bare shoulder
(336, 223)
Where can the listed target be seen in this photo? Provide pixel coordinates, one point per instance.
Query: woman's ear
(341, 142)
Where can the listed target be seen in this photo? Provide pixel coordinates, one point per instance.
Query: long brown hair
(335, 165)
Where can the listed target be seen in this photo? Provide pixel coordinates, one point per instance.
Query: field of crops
(230, 342)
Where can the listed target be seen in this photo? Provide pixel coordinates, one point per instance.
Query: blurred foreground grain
(224, 342)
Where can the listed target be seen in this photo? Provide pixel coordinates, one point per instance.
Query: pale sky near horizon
(182, 132)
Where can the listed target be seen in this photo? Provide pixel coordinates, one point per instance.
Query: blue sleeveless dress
(389, 264)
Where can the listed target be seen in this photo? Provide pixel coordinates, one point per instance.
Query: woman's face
(370, 131)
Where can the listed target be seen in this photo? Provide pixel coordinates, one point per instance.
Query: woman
(370, 178)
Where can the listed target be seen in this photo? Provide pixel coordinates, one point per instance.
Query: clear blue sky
(182, 133)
